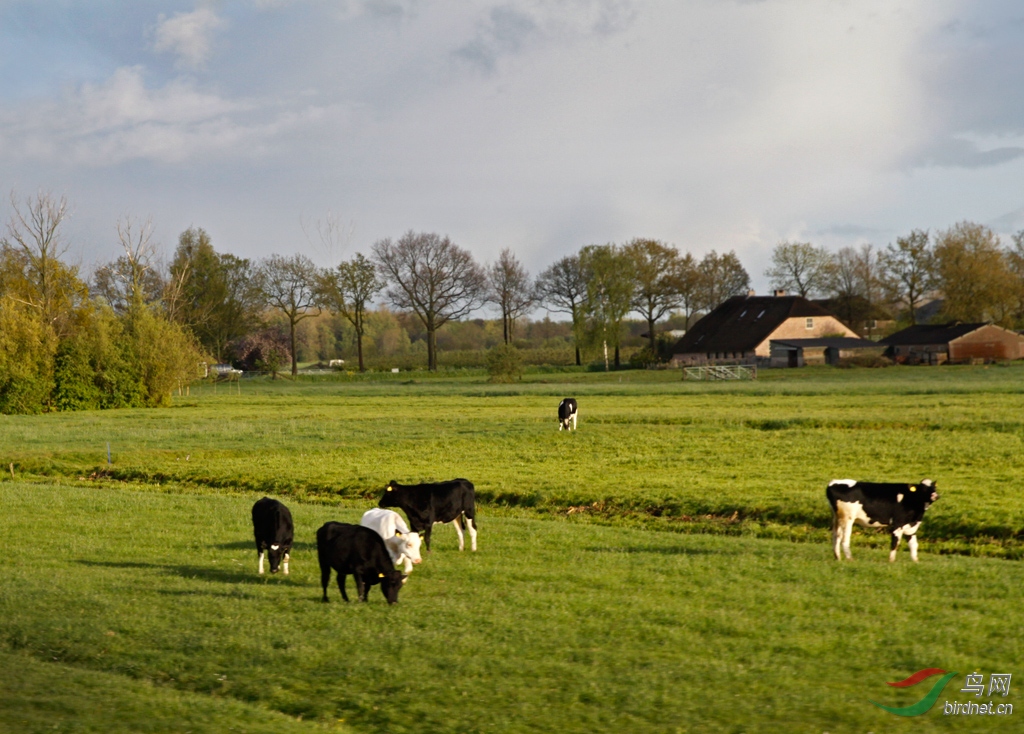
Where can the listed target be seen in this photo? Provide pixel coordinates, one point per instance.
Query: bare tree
(34, 235)
(800, 267)
(659, 274)
(721, 277)
(563, 288)
(348, 289)
(133, 279)
(289, 284)
(431, 276)
(856, 284)
(908, 270)
(511, 290)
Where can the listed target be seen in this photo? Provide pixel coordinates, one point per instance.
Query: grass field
(636, 575)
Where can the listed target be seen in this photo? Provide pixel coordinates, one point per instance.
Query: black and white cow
(353, 549)
(441, 502)
(567, 412)
(898, 507)
(272, 526)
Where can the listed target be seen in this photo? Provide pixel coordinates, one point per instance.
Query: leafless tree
(134, 278)
(856, 284)
(563, 288)
(348, 290)
(800, 267)
(289, 284)
(721, 277)
(511, 290)
(431, 276)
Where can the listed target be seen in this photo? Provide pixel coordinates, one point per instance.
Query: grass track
(147, 605)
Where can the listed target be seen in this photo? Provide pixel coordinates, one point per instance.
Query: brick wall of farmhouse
(988, 342)
(796, 328)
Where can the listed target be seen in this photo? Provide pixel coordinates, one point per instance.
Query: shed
(826, 350)
(953, 342)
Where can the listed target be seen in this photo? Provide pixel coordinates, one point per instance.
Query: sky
(534, 125)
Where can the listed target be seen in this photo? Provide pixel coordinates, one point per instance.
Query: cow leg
(561, 424)
(361, 587)
(325, 579)
(341, 584)
(285, 566)
(426, 537)
(471, 527)
(458, 530)
(912, 542)
(262, 553)
(897, 535)
(837, 537)
(847, 531)
(574, 421)
(406, 564)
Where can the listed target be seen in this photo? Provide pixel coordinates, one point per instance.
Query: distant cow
(898, 507)
(353, 549)
(402, 544)
(567, 412)
(272, 526)
(426, 504)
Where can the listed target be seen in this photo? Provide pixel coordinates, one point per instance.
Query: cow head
(927, 486)
(388, 499)
(410, 545)
(275, 554)
(391, 583)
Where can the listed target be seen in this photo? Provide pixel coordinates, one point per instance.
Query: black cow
(426, 504)
(567, 412)
(272, 526)
(353, 549)
(898, 507)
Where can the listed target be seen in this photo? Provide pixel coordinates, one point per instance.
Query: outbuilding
(953, 342)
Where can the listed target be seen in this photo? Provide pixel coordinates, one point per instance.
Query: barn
(955, 342)
(740, 329)
(826, 350)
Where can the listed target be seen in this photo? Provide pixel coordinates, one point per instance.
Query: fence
(721, 372)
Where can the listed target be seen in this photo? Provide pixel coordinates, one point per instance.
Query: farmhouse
(740, 330)
(953, 342)
(827, 350)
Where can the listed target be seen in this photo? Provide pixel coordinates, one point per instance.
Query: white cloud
(189, 35)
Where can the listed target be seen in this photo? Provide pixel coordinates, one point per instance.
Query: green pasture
(652, 450)
(127, 611)
(639, 574)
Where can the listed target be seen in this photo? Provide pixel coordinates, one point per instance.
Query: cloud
(189, 35)
(960, 153)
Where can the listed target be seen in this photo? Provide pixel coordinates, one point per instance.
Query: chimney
(751, 293)
(780, 293)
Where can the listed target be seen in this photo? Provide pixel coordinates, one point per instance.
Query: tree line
(141, 328)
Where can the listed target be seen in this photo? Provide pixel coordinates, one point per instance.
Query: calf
(403, 545)
(272, 526)
(567, 412)
(353, 549)
(898, 507)
(426, 504)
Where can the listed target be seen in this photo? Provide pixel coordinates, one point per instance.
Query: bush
(504, 364)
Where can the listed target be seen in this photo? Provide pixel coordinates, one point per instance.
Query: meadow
(664, 568)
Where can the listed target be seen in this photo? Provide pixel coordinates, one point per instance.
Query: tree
(289, 284)
(133, 279)
(563, 288)
(908, 270)
(800, 267)
(973, 272)
(856, 283)
(659, 273)
(610, 287)
(720, 277)
(348, 290)
(511, 290)
(1015, 259)
(688, 286)
(431, 276)
(34, 241)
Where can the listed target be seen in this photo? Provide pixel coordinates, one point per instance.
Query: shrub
(504, 364)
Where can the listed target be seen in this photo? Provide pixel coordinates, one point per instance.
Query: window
(810, 324)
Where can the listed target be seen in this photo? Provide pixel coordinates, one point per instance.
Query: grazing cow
(426, 504)
(898, 507)
(403, 545)
(567, 412)
(272, 526)
(353, 549)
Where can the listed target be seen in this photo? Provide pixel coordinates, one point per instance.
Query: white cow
(403, 545)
